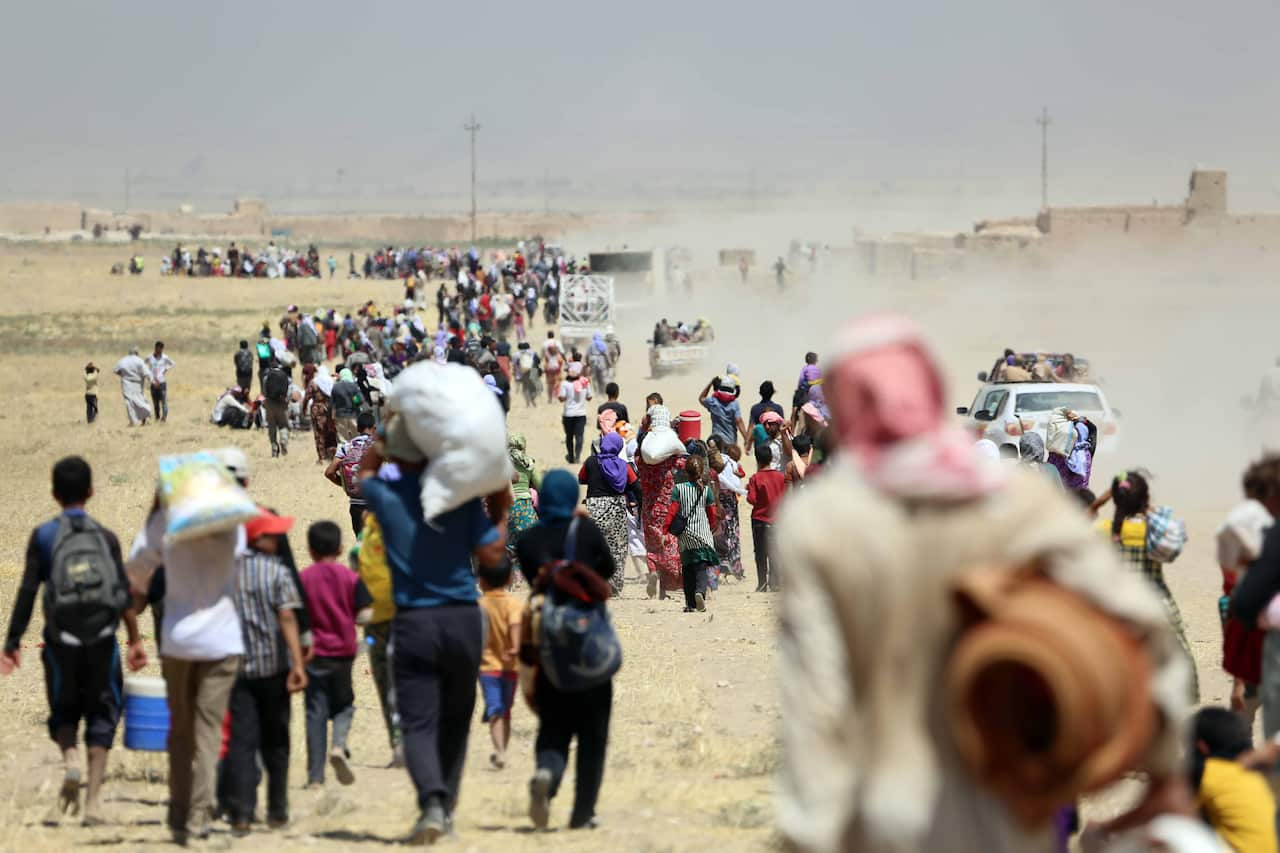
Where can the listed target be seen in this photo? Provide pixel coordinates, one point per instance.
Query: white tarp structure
(586, 306)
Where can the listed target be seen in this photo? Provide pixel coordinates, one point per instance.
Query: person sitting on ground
(1235, 800)
(80, 653)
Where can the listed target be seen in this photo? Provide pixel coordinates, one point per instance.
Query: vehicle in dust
(1005, 411)
(679, 350)
(586, 309)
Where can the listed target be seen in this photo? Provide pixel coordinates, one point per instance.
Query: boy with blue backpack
(86, 594)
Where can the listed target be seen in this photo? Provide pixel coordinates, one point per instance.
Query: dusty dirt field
(693, 738)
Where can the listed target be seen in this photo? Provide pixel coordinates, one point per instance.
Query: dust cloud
(1177, 338)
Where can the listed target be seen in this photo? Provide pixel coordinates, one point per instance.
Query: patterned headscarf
(516, 450)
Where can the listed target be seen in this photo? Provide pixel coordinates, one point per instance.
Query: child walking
(272, 669)
(80, 652)
(696, 505)
(498, 672)
(338, 601)
(764, 493)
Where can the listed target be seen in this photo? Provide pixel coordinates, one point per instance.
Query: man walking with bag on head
(86, 593)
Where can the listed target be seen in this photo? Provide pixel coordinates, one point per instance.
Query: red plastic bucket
(689, 426)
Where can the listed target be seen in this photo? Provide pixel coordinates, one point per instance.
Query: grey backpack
(84, 595)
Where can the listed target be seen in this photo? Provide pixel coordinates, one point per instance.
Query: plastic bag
(1166, 535)
(201, 497)
(1060, 434)
(453, 419)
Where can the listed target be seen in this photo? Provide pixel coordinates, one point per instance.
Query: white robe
(132, 371)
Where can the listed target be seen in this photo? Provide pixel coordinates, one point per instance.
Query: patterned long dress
(1132, 547)
(323, 425)
(610, 515)
(656, 482)
(731, 563)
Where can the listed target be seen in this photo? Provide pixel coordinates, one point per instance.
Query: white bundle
(455, 421)
(1060, 434)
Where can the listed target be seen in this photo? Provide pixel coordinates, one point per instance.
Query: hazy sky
(279, 96)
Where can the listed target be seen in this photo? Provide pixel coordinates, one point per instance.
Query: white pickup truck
(1003, 412)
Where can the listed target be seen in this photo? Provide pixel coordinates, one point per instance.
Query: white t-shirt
(158, 367)
(200, 619)
(575, 397)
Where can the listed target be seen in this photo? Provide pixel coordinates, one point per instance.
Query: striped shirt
(693, 506)
(264, 587)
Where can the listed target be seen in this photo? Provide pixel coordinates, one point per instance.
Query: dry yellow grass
(689, 763)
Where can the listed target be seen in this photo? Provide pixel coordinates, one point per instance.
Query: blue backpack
(578, 647)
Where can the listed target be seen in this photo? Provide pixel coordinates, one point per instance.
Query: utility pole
(126, 190)
(1044, 121)
(471, 127)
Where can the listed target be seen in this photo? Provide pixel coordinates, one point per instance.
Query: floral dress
(656, 483)
(323, 425)
(731, 563)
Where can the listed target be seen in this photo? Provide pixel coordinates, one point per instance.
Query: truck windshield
(1047, 401)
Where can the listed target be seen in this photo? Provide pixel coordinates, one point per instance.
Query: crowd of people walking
(466, 606)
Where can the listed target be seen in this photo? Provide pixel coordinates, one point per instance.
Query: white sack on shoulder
(1060, 434)
(455, 421)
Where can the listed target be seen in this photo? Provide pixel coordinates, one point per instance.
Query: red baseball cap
(267, 523)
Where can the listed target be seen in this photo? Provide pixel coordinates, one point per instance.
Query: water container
(689, 426)
(146, 714)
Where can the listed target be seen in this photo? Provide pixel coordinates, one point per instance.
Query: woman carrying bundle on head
(658, 456)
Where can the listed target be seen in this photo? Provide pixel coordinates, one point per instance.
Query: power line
(1044, 121)
(472, 127)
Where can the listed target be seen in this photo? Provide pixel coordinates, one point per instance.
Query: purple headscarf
(612, 466)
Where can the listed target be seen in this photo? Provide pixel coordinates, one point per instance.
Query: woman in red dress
(657, 460)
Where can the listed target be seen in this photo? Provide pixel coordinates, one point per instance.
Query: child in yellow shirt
(498, 664)
(1237, 802)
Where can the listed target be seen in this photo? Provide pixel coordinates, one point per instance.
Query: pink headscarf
(886, 401)
(608, 420)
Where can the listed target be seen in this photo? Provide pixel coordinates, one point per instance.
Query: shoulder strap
(571, 541)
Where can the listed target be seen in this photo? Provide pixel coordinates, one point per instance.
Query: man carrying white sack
(435, 521)
(201, 641)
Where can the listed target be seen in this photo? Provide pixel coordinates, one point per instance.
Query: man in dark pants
(243, 360)
(565, 715)
(437, 631)
(81, 658)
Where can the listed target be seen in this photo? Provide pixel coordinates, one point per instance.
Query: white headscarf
(1240, 536)
(324, 381)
